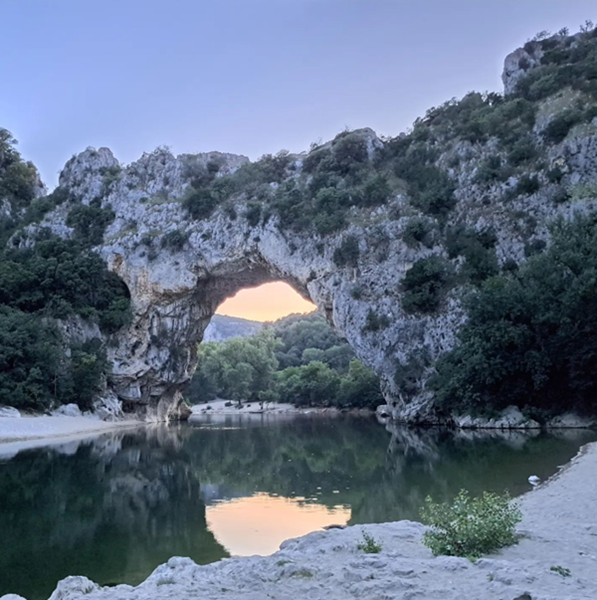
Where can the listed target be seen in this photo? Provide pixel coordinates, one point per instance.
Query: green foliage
(430, 188)
(563, 64)
(369, 545)
(237, 369)
(530, 339)
(563, 571)
(376, 322)
(523, 151)
(583, 191)
(418, 231)
(52, 279)
(425, 285)
(88, 365)
(557, 129)
(299, 360)
(303, 574)
(527, 185)
(57, 278)
(17, 178)
(253, 214)
(174, 240)
(89, 222)
(34, 370)
(302, 335)
(360, 387)
(478, 249)
(347, 253)
(470, 527)
(30, 359)
(314, 384)
(492, 169)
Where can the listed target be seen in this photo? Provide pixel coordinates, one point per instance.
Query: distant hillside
(222, 328)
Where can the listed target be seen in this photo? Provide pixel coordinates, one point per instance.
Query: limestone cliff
(343, 224)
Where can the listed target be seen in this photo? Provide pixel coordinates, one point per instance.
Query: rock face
(222, 327)
(179, 268)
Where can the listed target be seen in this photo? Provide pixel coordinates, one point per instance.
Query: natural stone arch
(168, 326)
(176, 287)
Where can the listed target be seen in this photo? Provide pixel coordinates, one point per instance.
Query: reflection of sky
(260, 523)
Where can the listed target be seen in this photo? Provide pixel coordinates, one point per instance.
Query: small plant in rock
(470, 527)
(369, 545)
(281, 563)
(303, 574)
(376, 322)
(174, 240)
(563, 571)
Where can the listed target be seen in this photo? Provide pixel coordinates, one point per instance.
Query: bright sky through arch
(267, 302)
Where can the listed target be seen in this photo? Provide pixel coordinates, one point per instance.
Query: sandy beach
(18, 434)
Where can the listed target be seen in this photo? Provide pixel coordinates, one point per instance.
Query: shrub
(418, 231)
(425, 284)
(522, 151)
(527, 185)
(374, 192)
(347, 253)
(369, 545)
(530, 338)
(253, 214)
(90, 222)
(557, 129)
(584, 191)
(376, 322)
(349, 152)
(174, 240)
(201, 203)
(491, 170)
(563, 571)
(470, 527)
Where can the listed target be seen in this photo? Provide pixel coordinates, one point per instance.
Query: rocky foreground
(559, 530)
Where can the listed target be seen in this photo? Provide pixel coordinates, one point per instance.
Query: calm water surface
(114, 507)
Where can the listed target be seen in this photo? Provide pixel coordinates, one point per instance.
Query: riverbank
(226, 407)
(26, 432)
(559, 531)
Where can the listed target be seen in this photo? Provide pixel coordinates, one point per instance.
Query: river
(116, 506)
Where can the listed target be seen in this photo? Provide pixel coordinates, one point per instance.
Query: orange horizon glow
(268, 302)
(260, 523)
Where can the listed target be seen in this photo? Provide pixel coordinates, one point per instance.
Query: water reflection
(258, 524)
(115, 507)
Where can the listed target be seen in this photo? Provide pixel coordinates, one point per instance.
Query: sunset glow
(267, 302)
(260, 523)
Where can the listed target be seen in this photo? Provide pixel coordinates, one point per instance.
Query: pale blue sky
(245, 76)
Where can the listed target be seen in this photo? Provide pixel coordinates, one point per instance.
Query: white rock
(9, 412)
(67, 410)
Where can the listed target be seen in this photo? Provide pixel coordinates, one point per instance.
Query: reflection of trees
(384, 481)
(113, 511)
(116, 507)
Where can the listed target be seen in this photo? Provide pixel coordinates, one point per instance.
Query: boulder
(10, 412)
(67, 410)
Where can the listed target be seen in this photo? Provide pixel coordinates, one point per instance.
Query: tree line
(298, 359)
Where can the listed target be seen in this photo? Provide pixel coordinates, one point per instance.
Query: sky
(246, 76)
(268, 302)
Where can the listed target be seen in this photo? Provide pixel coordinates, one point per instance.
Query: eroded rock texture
(498, 174)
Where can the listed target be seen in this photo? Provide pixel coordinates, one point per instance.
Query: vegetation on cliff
(531, 336)
(43, 285)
